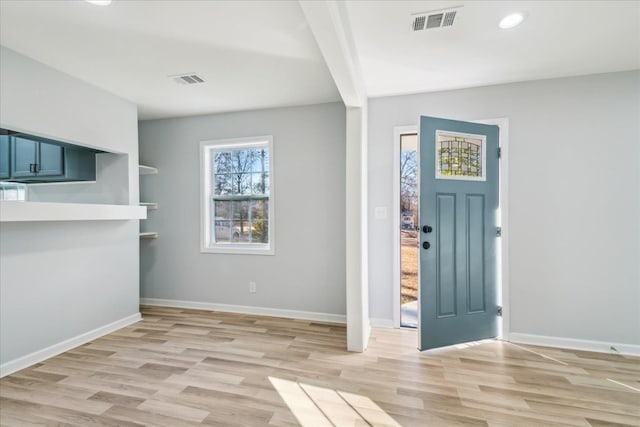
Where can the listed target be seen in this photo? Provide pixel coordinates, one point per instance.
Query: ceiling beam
(330, 26)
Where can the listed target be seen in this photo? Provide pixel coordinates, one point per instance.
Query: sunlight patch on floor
(539, 354)
(316, 406)
(472, 343)
(623, 384)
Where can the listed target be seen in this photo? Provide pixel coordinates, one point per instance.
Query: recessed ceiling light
(99, 2)
(510, 21)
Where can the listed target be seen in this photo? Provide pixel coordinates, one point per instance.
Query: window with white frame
(237, 195)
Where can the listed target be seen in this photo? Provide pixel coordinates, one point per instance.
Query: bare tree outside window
(409, 225)
(241, 195)
(237, 210)
(409, 184)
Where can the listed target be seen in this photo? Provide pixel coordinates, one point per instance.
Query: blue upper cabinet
(36, 160)
(50, 160)
(5, 156)
(24, 158)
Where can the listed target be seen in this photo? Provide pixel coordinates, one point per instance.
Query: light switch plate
(380, 212)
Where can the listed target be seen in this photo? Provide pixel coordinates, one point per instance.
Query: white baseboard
(53, 350)
(575, 344)
(246, 309)
(382, 323)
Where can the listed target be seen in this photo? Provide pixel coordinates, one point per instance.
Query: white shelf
(150, 206)
(147, 170)
(11, 211)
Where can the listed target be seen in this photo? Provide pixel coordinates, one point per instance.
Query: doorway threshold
(409, 315)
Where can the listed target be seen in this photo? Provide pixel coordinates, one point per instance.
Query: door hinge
(499, 152)
(500, 310)
(499, 231)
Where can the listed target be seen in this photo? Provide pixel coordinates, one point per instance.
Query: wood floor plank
(593, 414)
(117, 399)
(180, 367)
(45, 398)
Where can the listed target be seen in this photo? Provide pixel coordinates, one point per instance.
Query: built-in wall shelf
(147, 170)
(11, 211)
(150, 206)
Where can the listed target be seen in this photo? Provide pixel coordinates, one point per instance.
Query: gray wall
(307, 272)
(42, 101)
(59, 280)
(574, 190)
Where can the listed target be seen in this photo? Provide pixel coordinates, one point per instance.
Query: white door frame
(503, 222)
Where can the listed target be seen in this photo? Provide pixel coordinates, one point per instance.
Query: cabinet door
(51, 161)
(4, 156)
(25, 155)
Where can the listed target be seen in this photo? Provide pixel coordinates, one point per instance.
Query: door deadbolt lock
(426, 245)
(427, 229)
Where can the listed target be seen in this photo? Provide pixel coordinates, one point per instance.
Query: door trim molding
(503, 222)
(503, 271)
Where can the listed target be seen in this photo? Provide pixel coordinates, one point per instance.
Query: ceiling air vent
(435, 19)
(187, 79)
(418, 23)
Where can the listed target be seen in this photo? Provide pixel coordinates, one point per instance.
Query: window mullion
(249, 214)
(255, 197)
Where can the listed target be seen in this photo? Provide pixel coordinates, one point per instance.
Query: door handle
(426, 245)
(427, 229)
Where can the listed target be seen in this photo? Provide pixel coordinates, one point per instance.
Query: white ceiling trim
(330, 26)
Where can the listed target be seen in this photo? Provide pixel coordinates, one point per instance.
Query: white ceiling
(251, 54)
(557, 39)
(260, 54)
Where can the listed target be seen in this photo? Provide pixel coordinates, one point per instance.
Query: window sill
(238, 250)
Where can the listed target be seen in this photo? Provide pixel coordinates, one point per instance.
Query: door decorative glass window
(460, 156)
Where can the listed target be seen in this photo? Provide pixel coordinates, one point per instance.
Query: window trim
(205, 197)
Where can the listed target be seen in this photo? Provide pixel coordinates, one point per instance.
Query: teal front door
(458, 232)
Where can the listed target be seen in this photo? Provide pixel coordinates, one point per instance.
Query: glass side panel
(408, 230)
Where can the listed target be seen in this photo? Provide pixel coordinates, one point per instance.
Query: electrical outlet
(252, 287)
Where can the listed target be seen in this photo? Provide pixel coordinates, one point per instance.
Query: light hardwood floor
(192, 368)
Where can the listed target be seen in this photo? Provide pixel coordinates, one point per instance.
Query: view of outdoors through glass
(409, 226)
(241, 195)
